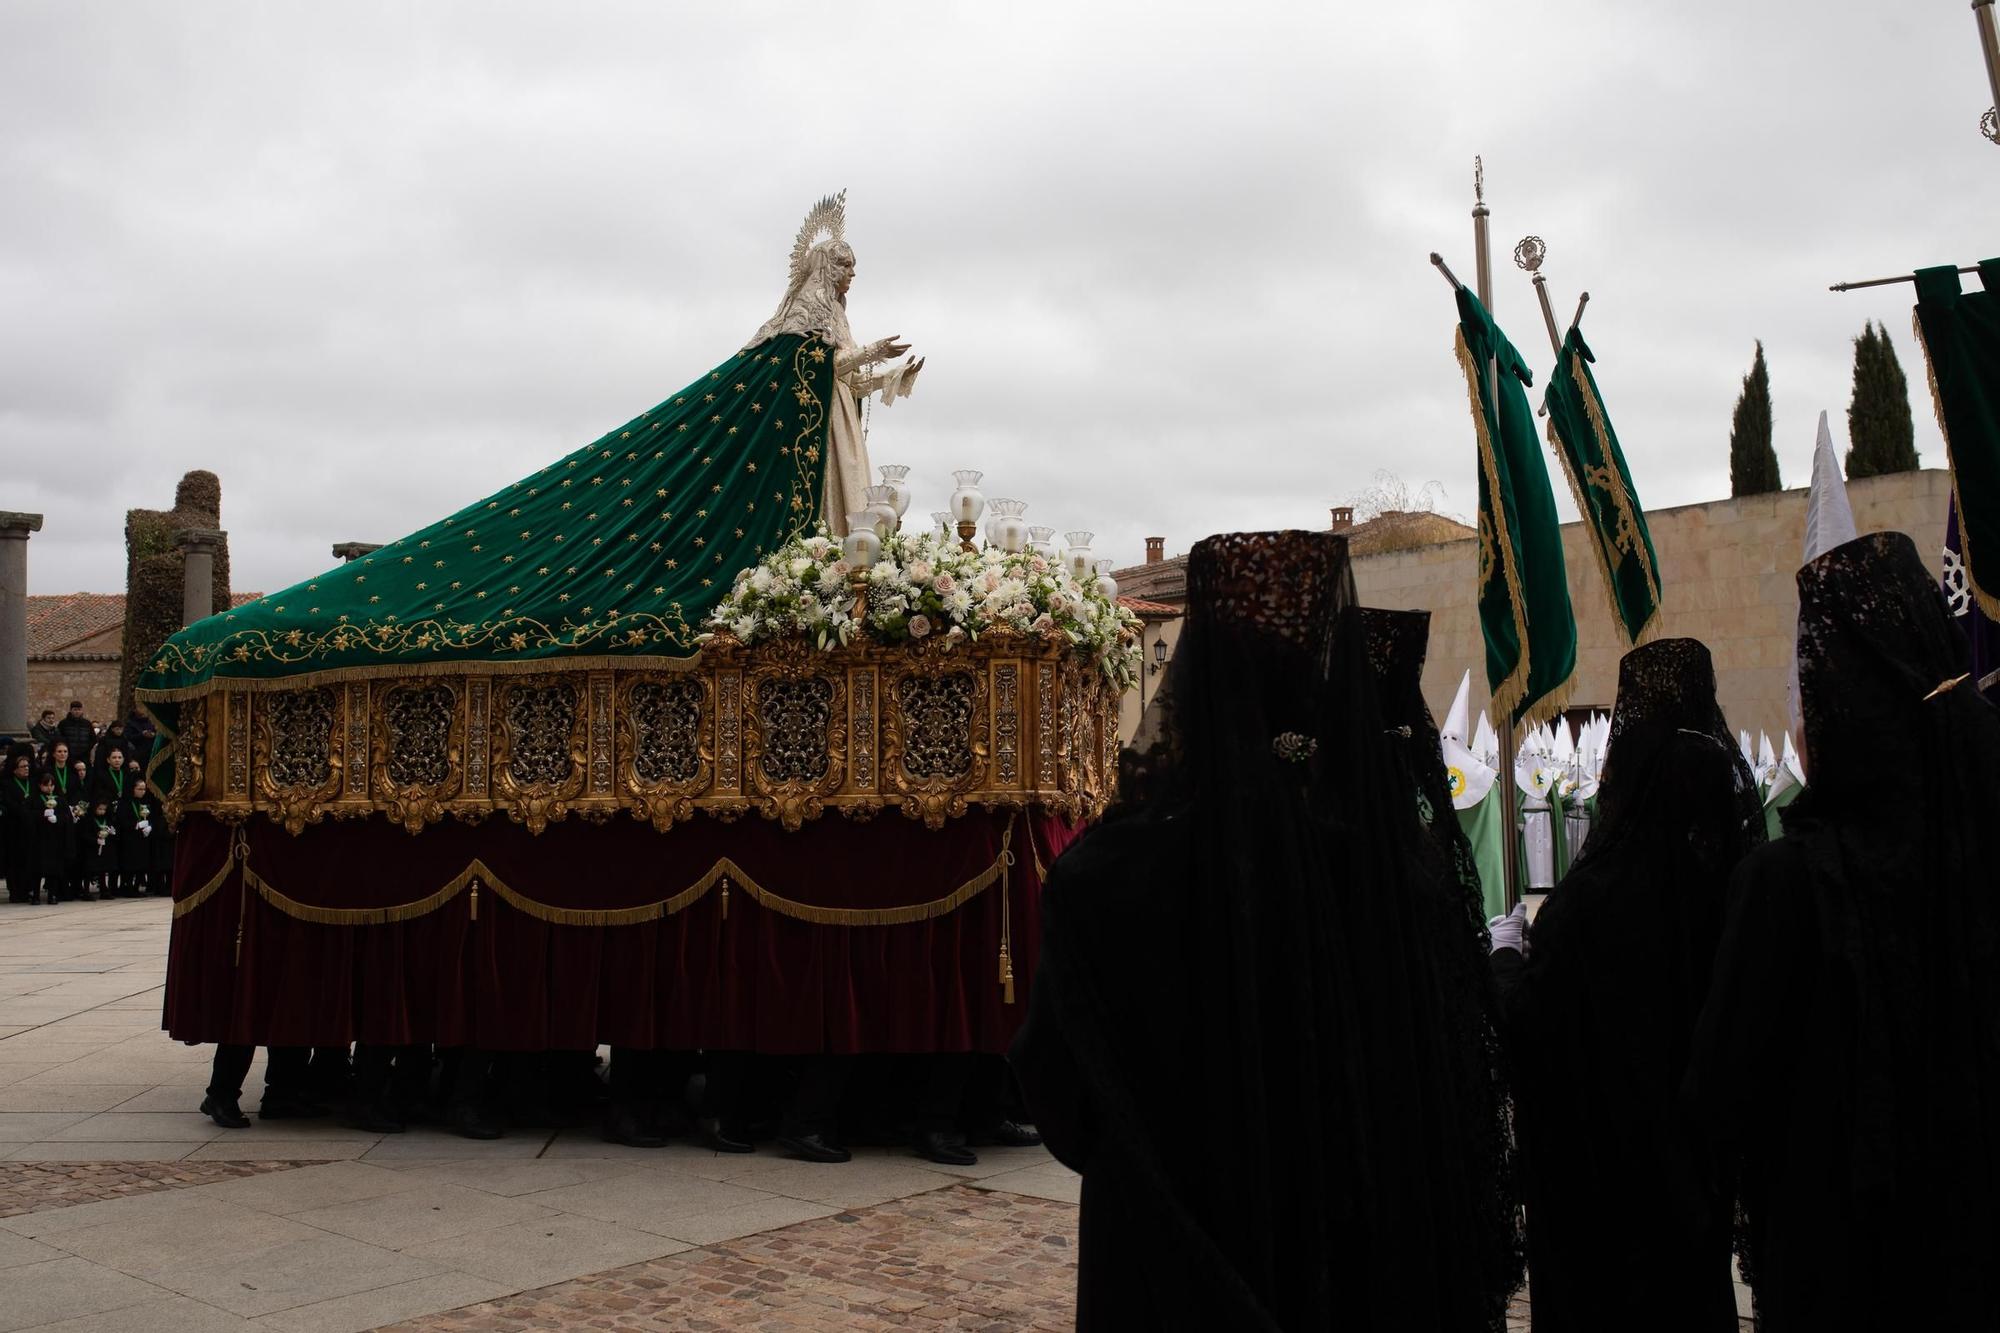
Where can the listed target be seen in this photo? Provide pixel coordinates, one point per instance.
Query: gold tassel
(725, 900)
(1007, 912)
(475, 900)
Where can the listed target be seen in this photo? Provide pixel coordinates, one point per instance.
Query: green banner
(1613, 519)
(617, 550)
(1960, 335)
(1524, 607)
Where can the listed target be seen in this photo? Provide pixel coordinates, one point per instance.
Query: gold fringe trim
(476, 666)
(237, 849)
(1989, 602)
(1507, 694)
(1550, 705)
(723, 872)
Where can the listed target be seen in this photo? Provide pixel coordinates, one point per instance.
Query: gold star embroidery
(700, 542)
(518, 641)
(752, 467)
(756, 407)
(701, 513)
(361, 578)
(739, 533)
(717, 488)
(376, 598)
(562, 597)
(439, 564)
(671, 564)
(818, 354)
(515, 513)
(657, 592)
(422, 586)
(707, 582)
(408, 558)
(682, 426)
(732, 430)
(624, 434)
(543, 570)
(506, 559)
(456, 585)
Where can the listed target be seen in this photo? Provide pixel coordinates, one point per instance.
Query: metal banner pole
(1504, 726)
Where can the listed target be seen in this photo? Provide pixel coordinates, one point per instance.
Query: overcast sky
(370, 262)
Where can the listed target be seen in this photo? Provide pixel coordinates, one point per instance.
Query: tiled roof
(58, 622)
(1149, 610)
(62, 620)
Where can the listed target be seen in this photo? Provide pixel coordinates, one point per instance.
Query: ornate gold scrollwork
(935, 736)
(190, 753)
(667, 747)
(297, 753)
(417, 733)
(795, 730)
(539, 761)
(784, 728)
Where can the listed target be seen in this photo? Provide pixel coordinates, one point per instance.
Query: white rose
(919, 626)
(1042, 624)
(920, 571)
(1039, 565)
(944, 583)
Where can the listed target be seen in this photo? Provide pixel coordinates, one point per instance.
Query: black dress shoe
(469, 1122)
(813, 1148)
(224, 1112)
(622, 1125)
(717, 1141)
(1008, 1134)
(943, 1149)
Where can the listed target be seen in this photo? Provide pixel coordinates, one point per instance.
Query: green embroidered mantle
(616, 551)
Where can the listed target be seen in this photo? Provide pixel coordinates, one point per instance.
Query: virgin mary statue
(616, 550)
(815, 304)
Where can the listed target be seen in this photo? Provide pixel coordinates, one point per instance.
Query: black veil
(1602, 1014)
(1849, 1057)
(1247, 1024)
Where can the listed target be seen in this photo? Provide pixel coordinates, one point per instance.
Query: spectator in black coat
(77, 730)
(136, 820)
(44, 732)
(17, 827)
(55, 840)
(108, 781)
(112, 739)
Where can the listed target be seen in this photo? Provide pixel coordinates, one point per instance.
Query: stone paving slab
(953, 1258)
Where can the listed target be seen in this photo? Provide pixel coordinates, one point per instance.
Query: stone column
(198, 548)
(14, 530)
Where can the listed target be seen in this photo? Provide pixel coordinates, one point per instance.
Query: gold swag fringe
(724, 872)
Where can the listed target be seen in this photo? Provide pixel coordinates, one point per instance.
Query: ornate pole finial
(1529, 253)
(1479, 180)
(1989, 124)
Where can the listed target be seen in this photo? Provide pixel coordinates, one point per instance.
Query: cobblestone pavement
(955, 1258)
(31, 1187)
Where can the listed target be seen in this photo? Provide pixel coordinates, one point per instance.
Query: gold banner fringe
(724, 872)
(1989, 602)
(237, 846)
(1507, 694)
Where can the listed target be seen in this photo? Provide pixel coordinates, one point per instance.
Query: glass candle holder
(1079, 555)
(893, 476)
(967, 503)
(882, 504)
(1041, 540)
(862, 543)
(1107, 587)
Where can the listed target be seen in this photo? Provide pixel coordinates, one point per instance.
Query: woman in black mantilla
(1848, 1060)
(1238, 1031)
(1453, 916)
(1601, 1014)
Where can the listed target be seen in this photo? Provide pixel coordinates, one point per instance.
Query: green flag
(1613, 518)
(1960, 335)
(1524, 610)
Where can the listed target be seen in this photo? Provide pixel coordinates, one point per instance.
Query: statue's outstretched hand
(888, 348)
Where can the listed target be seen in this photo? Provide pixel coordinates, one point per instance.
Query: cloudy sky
(369, 262)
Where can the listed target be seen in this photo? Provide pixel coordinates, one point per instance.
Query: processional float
(677, 742)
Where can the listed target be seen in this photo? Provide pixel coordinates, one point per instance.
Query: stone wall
(1726, 571)
(54, 681)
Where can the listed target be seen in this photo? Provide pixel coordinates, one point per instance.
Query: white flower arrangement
(924, 586)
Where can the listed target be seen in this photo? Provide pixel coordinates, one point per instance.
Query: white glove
(1511, 931)
(49, 815)
(145, 827)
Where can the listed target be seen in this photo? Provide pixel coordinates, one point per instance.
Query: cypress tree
(1753, 464)
(1881, 436)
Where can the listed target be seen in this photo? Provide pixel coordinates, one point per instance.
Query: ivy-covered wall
(153, 572)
